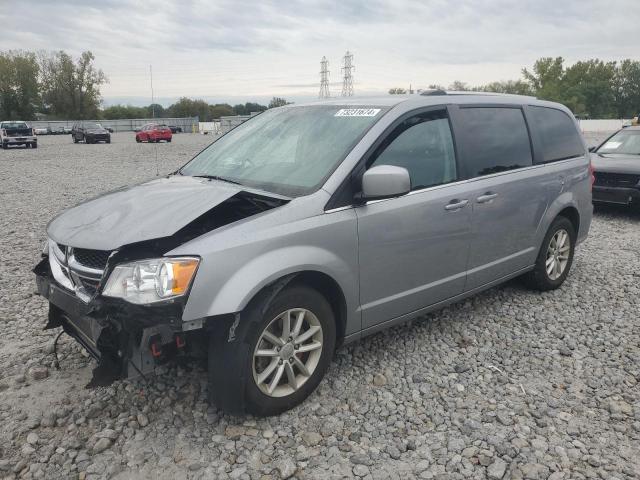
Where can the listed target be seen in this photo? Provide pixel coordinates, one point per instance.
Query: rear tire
(238, 363)
(555, 257)
(168, 140)
(34, 145)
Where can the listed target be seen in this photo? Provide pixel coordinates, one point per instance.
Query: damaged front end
(128, 338)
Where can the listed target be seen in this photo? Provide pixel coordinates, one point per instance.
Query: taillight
(591, 174)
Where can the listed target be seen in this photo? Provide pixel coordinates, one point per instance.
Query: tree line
(591, 88)
(60, 87)
(187, 107)
(51, 83)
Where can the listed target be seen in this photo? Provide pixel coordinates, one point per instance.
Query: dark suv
(90, 132)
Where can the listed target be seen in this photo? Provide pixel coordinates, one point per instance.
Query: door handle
(487, 197)
(455, 205)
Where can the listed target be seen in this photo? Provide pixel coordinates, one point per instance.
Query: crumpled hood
(616, 163)
(155, 209)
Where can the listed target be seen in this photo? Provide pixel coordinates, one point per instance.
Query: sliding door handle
(455, 205)
(487, 197)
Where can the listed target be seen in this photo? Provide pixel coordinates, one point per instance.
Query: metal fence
(187, 124)
(229, 123)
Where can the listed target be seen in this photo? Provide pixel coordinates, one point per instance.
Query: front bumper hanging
(126, 340)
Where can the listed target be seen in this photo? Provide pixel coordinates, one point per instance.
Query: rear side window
(496, 140)
(558, 135)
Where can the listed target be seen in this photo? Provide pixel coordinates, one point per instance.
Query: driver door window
(424, 146)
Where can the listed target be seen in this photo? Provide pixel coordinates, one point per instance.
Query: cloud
(261, 48)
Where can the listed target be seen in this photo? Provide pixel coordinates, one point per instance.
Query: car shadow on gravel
(621, 212)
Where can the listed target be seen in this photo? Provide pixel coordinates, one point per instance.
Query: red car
(152, 132)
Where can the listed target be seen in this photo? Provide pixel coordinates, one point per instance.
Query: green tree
(19, 93)
(458, 86)
(546, 78)
(515, 87)
(70, 89)
(626, 89)
(397, 91)
(124, 111)
(221, 110)
(278, 102)
(186, 107)
(155, 110)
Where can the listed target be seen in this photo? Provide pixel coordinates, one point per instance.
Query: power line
(347, 79)
(324, 78)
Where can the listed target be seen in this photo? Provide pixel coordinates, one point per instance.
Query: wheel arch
(323, 283)
(571, 213)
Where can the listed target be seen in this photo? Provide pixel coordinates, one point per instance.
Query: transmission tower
(347, 79)
(324, 78)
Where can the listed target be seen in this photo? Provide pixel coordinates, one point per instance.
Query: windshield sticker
(357, 112)
(612, 145)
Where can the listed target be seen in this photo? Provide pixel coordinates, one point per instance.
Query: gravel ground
(510, 384)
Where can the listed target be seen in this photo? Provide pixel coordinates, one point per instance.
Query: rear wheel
(555, 257)
(5, 146)
(138, 139)
(168, 140)
(34, 145)
(279, 355)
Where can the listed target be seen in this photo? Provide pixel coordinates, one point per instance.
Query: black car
(90, 132)
(616, 165)
(175, 129)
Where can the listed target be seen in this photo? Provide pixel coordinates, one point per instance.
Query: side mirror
(385, 181)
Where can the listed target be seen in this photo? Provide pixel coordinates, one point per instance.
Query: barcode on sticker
(357, 112)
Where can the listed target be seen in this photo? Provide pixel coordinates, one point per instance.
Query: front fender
(261, 271)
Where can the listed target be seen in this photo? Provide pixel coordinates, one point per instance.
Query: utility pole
(324, 78)
(347, 79)
(153, 106)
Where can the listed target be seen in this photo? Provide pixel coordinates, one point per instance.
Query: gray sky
(239, 50)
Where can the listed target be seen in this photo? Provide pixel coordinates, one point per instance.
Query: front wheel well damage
(320, 282)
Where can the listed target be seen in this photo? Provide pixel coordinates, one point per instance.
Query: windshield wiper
(216, 177)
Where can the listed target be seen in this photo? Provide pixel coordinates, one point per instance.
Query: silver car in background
(310, 226)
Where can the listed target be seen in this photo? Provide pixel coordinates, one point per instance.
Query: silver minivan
(310, 226)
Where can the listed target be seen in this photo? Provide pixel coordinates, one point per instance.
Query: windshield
(91, 125)
(13, 125)
(625, 142)
(290, 151)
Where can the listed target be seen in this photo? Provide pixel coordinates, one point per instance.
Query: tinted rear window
(559, 137)
(496, 139)
(14, 125)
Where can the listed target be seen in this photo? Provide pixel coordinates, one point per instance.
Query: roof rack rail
(437, 92)
(433, 92)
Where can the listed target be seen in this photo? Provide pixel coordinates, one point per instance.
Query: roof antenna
(153, 115)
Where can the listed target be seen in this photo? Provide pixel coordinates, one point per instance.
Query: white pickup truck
(17, 133)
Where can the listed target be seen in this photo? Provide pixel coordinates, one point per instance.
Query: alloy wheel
(288, 352)
(558, 254)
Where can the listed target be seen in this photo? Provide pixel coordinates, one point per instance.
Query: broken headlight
(150, 281)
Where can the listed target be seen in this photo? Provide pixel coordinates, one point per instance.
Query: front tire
(555, 257)
(280, 351)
